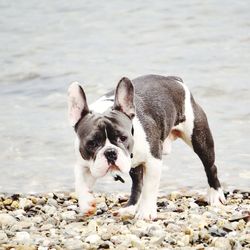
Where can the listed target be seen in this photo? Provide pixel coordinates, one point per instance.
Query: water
(45, 45)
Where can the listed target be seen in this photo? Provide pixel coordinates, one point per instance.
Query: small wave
(20, 77)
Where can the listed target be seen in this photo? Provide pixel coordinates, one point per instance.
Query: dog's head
(106, 139)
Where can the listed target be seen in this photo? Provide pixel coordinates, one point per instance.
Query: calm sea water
(44, 45)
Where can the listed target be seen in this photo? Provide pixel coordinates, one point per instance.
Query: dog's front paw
(215, 197)
(146, 212)
(87, 204)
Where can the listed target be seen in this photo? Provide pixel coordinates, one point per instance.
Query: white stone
(22, 225)
(3, 238)
(73, 244)
(93, 239)
(155, 230)
(6, 220)
(46, 227)
(222, 243)
(42, 248)
(25, 203)
(50, 210)
(68, 215)
(23, 237)
(92, 227)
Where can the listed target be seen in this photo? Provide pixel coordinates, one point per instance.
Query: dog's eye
(92, 144)
(123, 138)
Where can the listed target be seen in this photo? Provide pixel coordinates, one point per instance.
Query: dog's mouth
(113, 167)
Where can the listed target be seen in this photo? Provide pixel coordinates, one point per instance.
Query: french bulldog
(129, 130)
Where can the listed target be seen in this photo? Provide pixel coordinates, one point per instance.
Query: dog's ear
(124, 97)
(77, 103)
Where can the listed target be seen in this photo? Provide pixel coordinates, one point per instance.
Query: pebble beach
(185, 221)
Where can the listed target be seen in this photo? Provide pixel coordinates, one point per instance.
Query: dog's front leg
(136, 175)
(147, 208)
(84, 182)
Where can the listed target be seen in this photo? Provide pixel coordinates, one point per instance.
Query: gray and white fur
(129, 130)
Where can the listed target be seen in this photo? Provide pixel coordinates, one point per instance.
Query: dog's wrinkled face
(105, 140)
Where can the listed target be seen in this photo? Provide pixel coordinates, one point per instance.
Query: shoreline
(185, 221)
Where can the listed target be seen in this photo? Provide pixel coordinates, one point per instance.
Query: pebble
(3, 237)
(7, 202)
(6, 220)
(50, 210)
(155, 230)
(53, 222)
(172, 227)
(52, 202)
(21, 225)
(68, 215)
(93, 239)
(46, 227)
(23, 237)
(73, 244)
(92, 226)
(222, 243)
(25, 203)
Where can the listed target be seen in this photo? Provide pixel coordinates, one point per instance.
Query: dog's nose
(111, 155)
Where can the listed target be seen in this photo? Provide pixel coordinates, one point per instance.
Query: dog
(129, 129)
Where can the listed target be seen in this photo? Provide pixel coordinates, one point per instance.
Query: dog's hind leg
(196, 133)
(203, 146)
